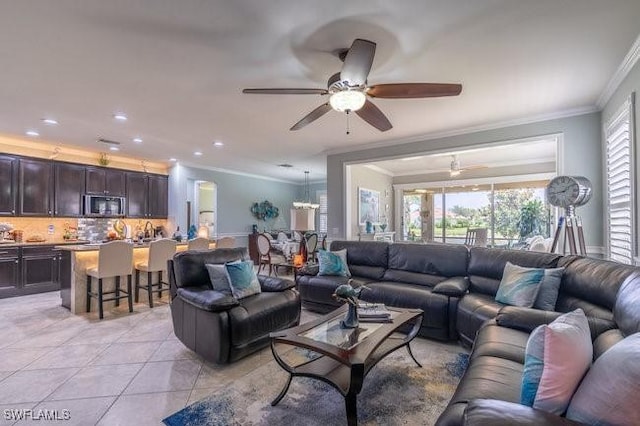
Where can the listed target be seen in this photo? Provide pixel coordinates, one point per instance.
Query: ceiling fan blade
(312, 116)
(413, 90)
(358, 61)
(286, 91)
(372, 115)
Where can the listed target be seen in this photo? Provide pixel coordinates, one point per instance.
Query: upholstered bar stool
(226, 242)
(199, 243)
(115, 259)
(159, 252)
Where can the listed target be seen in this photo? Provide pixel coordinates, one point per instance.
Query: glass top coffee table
(345, 356)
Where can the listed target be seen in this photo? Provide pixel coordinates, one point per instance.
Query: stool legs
(88, 293)
(117, 290)
(137, 285)
(149, 293)
(100, 309)
(160, 283)
(130, 294)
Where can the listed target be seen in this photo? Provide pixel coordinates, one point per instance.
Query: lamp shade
(303, 219)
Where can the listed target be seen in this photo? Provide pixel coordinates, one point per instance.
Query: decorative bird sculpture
(349, 294)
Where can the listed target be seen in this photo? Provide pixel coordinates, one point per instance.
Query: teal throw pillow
(519, 286)
(242, 278)
(218, 278)
(333, 263)
(556, 358)
(548, 294)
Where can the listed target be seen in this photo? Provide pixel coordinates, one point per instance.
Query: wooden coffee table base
(345, 369)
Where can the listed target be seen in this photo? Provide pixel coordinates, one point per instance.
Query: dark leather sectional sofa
(218, 327)
(456, 287)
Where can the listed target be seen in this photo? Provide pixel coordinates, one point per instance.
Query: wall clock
(568, 191)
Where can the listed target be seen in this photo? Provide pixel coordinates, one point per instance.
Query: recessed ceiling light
(120, 116)
(50, 121)
(198, 153)
(114, 148)
(218, 144)
(411, 158)
(173, 160)
(137, 140)
(33, 133)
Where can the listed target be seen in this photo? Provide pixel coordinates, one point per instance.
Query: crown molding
(621, 73)
(573, 112)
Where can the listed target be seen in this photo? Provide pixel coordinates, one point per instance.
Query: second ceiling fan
(348, 89)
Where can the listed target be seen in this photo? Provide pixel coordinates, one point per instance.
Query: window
(619, 185)
(507, 214)
(322, 211)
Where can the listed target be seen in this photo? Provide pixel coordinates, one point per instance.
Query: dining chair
(311, 242)
(266, 257)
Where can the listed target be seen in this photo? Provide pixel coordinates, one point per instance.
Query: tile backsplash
(92, 229)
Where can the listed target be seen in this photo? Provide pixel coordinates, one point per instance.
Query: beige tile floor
(126, 369)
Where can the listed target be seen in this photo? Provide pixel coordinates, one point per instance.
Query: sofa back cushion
(591, 284)
(627, 309)
(189, 268)
(426, 264)
(367, 259)
(486, 266)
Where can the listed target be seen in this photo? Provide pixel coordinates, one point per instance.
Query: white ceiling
(176, 68)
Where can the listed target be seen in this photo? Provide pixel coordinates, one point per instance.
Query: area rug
(396, 392)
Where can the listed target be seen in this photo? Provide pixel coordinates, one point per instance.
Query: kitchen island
(73, 279)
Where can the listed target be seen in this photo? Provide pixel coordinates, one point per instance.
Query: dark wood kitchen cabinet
(158, 202)
(147, 195)
(9, 187)
(35, 183)
(29, 270)
(101, 181)
(9, 272)
(69, 189)
(136, 195)
(40, 269)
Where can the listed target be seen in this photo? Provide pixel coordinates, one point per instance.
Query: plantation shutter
(619, 174)
(323, 212)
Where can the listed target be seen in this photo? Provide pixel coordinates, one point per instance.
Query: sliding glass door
(499, 215)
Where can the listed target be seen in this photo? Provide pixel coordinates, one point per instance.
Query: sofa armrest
(455, 286)
(526, 319)
(207, 299)
(309, 269)
(494, 412)
(274, 284)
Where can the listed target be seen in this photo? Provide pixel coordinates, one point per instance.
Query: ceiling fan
(456, 169)
(348, 90)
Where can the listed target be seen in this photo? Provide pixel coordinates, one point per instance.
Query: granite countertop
(41, 243)
(96, 246)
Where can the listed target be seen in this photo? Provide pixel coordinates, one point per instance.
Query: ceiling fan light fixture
(347, 100)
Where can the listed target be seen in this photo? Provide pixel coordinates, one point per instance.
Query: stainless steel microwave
(101, 206)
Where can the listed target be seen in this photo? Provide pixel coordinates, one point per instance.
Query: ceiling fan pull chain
(348, 132)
